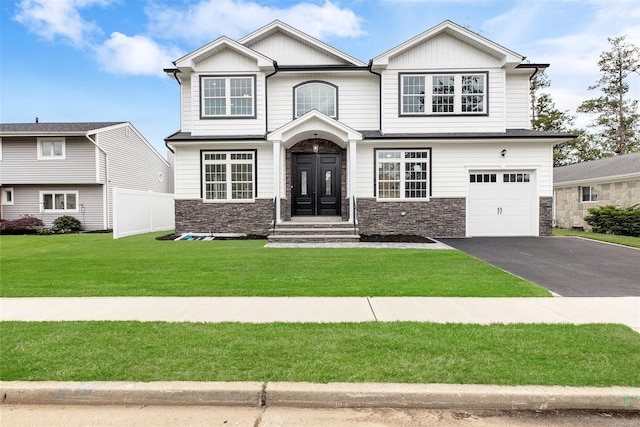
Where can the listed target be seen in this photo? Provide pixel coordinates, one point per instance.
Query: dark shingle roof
(65, 127)
(627, 164)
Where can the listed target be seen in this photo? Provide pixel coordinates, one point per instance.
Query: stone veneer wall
(545, 216)
(444, 217)
(570, 211)
(194, 216)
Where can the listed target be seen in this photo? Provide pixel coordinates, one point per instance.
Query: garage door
(502, 203)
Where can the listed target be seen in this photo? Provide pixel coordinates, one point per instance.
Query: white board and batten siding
(517, 112)
(289, 51)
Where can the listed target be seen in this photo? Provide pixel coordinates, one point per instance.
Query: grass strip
(610, 238)
(569, 355)
(97, 265)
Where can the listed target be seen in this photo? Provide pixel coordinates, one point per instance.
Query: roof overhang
(314, 124)
(190, 60)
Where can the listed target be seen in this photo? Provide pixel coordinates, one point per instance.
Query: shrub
(66, 224)
(611, 219)
(26, 225)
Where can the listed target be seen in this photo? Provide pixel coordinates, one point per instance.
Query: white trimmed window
(316, 96)
(51, 148)
(228, 175)
(443, 94)
(588, 194)
(403, 174)
(7, 196)
(227, 96)
(61, 201)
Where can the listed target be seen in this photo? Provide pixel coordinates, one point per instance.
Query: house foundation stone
(194, 216)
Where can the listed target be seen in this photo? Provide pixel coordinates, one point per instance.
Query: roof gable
(191, 60)
(625, 165)
(314, 124)
(287, 45)
(504, 55)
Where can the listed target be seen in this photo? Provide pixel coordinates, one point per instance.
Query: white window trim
(592, 190)
(457, 95)
(402, 160)
(228, 162)
(320, 83)
(54, 192)
(228, 99)
(41, 140)
(5, 191)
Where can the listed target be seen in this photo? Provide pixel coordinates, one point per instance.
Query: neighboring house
(578, 187)
(430, 138)
(48, 170)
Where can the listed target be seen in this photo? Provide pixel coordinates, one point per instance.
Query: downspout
(175, 76)
(106, 179)
(266, 99)
(370, 69)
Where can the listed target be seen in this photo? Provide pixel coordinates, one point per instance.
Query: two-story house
(431, 138)
(48, 170)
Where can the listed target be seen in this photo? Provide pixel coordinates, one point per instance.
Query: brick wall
(436, 218)
(193, 216)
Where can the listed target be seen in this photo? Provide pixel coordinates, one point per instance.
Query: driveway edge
(331, 395)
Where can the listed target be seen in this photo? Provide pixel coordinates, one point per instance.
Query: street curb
(331, 395)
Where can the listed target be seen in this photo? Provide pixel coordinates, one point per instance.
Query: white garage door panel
(505, 207)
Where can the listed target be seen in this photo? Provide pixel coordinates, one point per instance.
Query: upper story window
(51, 148)
(228, 175)
(403, 174)
(319, 96)
(228, 96)
(443, 94)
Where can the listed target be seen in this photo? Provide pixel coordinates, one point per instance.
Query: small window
(51, 148)
(588, 194)
(482, 177)
(316, 96)
(7, 196)
(59, 201)
(227, 96)
(516, 177)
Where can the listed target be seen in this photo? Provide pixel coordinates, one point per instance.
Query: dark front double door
(316, 184)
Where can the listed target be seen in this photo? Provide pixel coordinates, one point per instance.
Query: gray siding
(27, 201)
(20, 164)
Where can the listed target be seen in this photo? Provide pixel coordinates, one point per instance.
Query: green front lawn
(610, 238)
(97, 265)
(569, 355)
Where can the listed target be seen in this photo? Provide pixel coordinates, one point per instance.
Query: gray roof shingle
(603, 168)
(63, 127)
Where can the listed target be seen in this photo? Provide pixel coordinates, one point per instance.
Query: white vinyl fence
(137, 212)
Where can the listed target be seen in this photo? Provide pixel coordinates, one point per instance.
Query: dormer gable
(191, 61)
(505, 57)
(289, 46)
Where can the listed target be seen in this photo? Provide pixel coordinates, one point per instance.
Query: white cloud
(137, 55)
(58, 19)
(210, 19)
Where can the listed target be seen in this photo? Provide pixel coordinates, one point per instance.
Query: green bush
(66, 224)
(611, 219)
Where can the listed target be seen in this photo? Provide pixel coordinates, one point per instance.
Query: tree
(546, 117)
(617, 121)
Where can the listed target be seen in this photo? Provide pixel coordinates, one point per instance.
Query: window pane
(215, 107)
(71, 201)
(57, 148)
(214, 88)
(413, 94)
(318, 96)
(59, 201)
(47, 148)
(327, 183)
(47, 201)
(442, 104)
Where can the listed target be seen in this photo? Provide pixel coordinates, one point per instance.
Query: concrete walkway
(623, 310)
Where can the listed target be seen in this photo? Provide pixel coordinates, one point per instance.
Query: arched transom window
(316, 96)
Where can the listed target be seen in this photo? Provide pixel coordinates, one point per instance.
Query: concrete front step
(280, 231)
(315, 238)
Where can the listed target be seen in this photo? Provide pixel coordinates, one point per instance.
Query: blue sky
(102, 60)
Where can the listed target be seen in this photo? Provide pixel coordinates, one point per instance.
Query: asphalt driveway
(568, 266)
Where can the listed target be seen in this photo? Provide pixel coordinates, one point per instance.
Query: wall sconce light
(315, 148)
(503, 153)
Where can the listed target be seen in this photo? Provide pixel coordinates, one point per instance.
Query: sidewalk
(623, 310)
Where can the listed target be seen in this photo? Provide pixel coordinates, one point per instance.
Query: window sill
(228, 201)
(402, 200)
